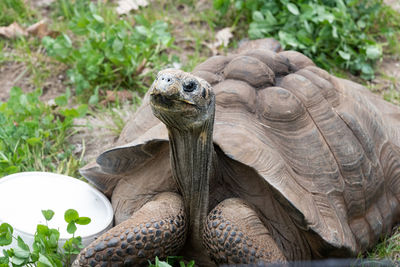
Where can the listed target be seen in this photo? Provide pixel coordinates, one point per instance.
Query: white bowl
(24, 195)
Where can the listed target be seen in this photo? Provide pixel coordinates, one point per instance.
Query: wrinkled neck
(192, 157)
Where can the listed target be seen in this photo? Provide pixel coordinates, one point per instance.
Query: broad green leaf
(367, 72)
(141, 30)
(82, 110)
(6, 231)
(258, 16)
(42, 229)
(117, 45)
(15, 91)
(71, 227)
(70, 112)
(53, 240)
(344, 55)
(71, 215)
(288, 39)
(374, 51)
(61, 100)
(293, 9)
(98, 18)
(23, 100)
(83, 220)
(17, 261)
(44, 260)
(48, 214)
(21, 244)
(161, 263)
(54, 232)
(270, 19)
(21, 253)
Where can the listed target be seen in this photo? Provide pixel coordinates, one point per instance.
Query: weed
(338, 33)
(111, 56)
(45, 248)
(33, 134)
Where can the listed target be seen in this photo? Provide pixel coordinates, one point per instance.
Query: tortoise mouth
(171, 104)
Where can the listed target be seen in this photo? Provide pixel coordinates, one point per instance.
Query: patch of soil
(390, 67)
(99, 132)
(54, 86)
(389, 75)
(13, 73)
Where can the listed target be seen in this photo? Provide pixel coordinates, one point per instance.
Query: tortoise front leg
(156, 229)
(233, 233)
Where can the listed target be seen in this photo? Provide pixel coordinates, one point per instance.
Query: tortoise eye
(189, 86)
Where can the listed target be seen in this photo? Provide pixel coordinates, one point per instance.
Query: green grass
(33, 136)
(389, 248)
(15, 10)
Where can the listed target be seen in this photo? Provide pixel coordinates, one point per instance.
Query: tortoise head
(181, 100)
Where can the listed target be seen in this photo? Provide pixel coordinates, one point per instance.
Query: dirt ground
(16, 74)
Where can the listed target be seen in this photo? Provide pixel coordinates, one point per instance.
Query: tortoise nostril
(166, 79)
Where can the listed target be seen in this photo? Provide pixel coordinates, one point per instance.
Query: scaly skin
(157, 229)
(234, 234)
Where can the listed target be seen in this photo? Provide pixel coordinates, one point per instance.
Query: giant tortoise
(253, 157)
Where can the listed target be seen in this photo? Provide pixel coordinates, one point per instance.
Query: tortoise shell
(324, 148)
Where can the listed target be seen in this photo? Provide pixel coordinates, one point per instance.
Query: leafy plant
(109, 55)
(342, 33)
(45, 247)
(171, 261)
(33, 134)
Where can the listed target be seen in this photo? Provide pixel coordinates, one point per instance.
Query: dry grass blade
(39, 29)
(222, 39)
